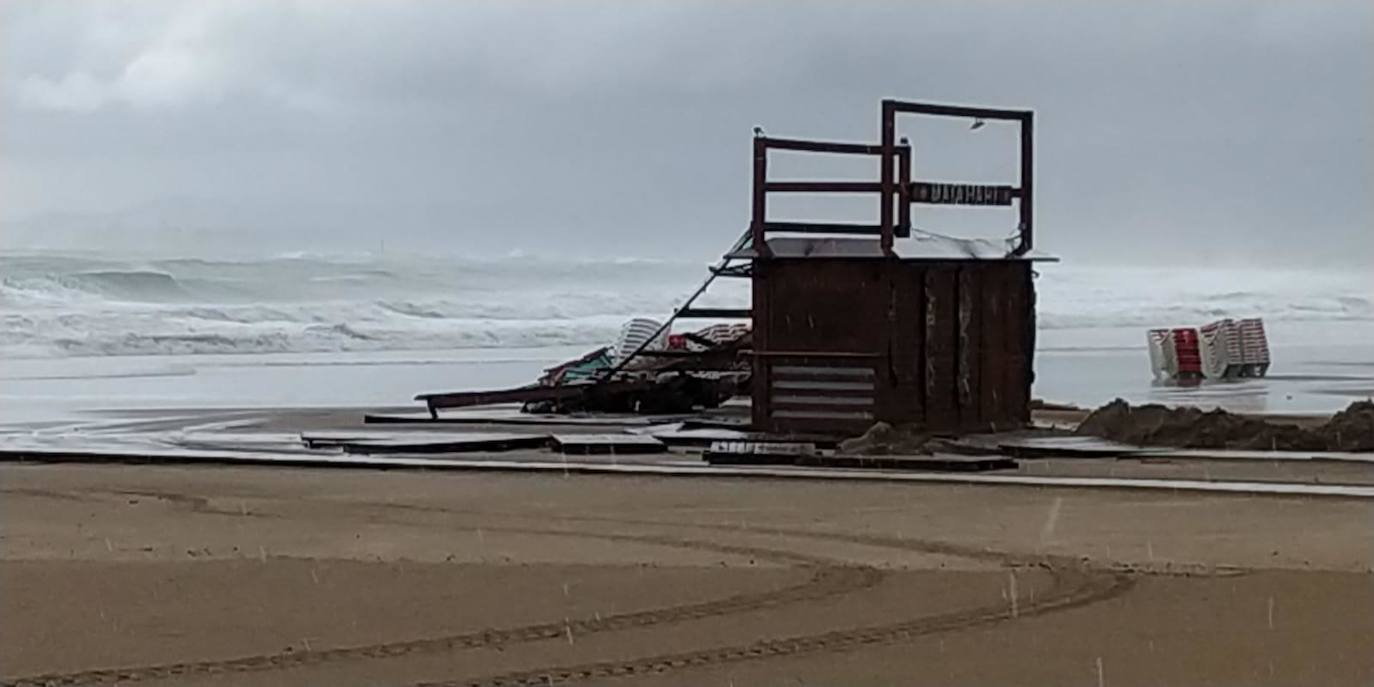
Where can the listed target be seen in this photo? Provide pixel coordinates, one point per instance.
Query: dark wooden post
(904, 190)
(759, 217)
(889, 160)
(1027, 186)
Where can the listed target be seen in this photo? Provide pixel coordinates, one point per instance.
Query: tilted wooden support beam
(819, 146)
(525, 394)
(715, 313)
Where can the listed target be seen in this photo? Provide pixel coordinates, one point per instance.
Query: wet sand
(187, 576)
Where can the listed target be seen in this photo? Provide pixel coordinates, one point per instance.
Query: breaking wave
(52, 305)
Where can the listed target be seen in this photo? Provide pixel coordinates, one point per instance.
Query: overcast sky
(1225, 130)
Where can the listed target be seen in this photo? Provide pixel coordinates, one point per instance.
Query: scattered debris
(580, 370)
(883, 439)
(1349, 430)
(663, 394)
(705, 370)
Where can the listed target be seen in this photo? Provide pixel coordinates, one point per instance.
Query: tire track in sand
(1071, 589)
(1071, 586)
(827, 580)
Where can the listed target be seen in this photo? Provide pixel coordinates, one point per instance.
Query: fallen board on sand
(675, 435)
(934, 463)
(717, 422)
(423, 442)
(136, 456)
(1244, 454)
(617, 444)
(931, 463)
(522, 419)
(1066, 447)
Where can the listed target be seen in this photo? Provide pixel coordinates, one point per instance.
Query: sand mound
(1349, 430)
(1352, 429)
(883, 439)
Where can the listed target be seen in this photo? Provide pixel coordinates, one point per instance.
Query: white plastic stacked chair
(719, 334)
(1254, 347)
(1163, 358)
(1220, 349)
(633, 334)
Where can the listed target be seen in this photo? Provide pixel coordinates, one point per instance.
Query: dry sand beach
(270, 576)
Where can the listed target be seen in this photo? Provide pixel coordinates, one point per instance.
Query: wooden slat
(821, 146)
(825, 357)
(993, 330)
(823, 228)
(967, 386)
(842, 414)
(822, 187)
(823, 385)
(822, 371)
(940, 347)
(821, 400)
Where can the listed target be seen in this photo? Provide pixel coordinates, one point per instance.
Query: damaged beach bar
(850, 324)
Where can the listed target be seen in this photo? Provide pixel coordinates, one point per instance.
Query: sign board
(937, 193)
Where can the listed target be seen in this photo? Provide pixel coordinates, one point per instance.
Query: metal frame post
(1025, 118)
(887, 160)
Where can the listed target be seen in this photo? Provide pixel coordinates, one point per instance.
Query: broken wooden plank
(516, 418)
(528, 394)
(425, 442)
(1165, 453)
(931, 463)
(617, 444)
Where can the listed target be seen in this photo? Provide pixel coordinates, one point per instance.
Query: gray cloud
(1219, 130)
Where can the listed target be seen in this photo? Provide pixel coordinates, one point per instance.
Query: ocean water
(78, 306)
(362, 329)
